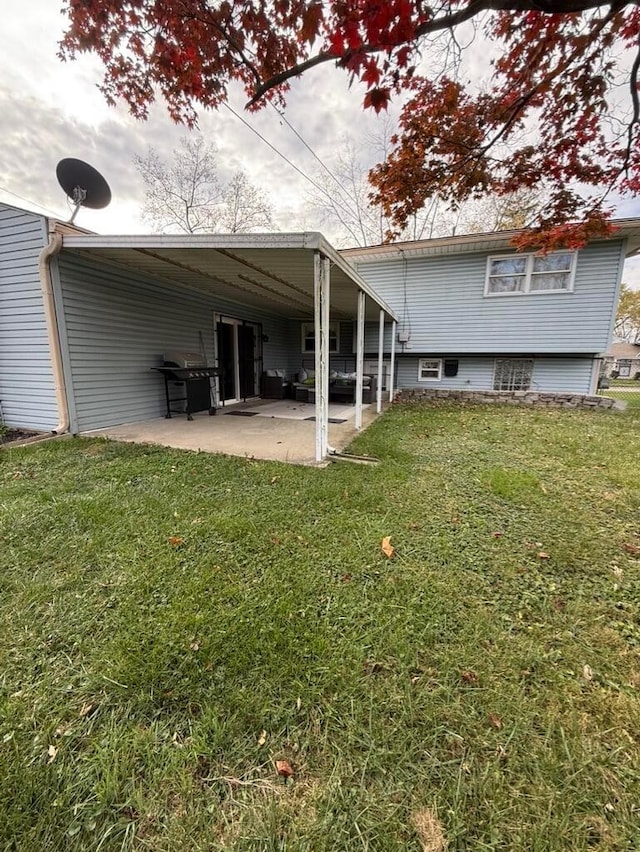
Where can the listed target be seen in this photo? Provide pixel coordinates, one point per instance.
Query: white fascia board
(344, 266)
(304, 240)
(466, 243)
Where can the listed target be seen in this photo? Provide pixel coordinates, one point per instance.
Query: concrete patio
(282, 430)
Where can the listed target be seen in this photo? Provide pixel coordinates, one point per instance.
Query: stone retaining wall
(538, 399)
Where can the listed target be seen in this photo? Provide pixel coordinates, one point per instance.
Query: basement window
(512, 374)
(429, 369)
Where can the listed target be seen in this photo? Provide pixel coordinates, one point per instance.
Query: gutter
(44, 268)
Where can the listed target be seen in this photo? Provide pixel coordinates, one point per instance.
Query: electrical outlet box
(403, 337)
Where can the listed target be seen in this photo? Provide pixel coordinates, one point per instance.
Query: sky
(51, 109)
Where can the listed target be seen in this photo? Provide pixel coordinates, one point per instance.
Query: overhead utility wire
(34, 203)
(322, 163)
(288, 161)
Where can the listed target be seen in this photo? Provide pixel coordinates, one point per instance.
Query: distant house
(623, 359)
(84, 318)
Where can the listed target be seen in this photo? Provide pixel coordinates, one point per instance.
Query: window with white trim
(429, 369)
(518, 274)
(512, 374)
(309, 337)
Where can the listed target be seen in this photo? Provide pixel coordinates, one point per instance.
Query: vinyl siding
(119, 325)
(446, 309)
(27, 390)
(549, 374)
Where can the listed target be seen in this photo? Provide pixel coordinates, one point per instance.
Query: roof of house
(628, 229)
(622, 349)
(275, 269)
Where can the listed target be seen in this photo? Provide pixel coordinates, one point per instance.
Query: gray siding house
(476, 315)
(84, 318)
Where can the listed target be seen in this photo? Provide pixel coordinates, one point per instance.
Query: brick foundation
(537, 399)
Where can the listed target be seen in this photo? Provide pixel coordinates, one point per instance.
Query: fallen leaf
(495, 721)
(497, 534)
(262, 738)
(52, 751)
(633, 549)
(194, 646)
(387, 547)
(275, 540)
(283, 768)
(274, 479)
(543, 555)
(429, 830)
(455, 519)
(469, 677)
(87, 709)
(587, 672)
(608, 495)
(175, 540)
(346, 578)
(298, 703)
(543, 489)
(559, 604)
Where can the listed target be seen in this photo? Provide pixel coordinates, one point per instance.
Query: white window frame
(529, 361)
(528, 274)
(307, 327)
(437, 361)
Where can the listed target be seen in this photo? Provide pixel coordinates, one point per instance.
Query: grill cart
(187, 373)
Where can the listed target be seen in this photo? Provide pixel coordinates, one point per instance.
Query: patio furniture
(340, 390)
(275, 384)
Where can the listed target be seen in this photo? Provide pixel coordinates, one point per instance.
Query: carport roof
(273, 272)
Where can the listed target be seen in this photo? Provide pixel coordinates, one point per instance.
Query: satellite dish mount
(83, 184)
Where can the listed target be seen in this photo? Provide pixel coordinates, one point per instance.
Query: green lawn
(630, 396)
(172, 623)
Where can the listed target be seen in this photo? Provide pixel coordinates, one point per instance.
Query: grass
(172, 623)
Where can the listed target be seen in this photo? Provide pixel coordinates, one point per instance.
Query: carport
(295, 277)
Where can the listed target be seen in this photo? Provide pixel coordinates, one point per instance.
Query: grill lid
(184, 359)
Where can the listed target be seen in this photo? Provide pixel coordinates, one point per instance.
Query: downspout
(44, 267)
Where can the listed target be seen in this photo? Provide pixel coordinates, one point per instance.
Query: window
(530, 273)
(309, 337)
(429, 369)
(512, 374)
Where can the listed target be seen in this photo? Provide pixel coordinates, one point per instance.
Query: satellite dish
(84, 185)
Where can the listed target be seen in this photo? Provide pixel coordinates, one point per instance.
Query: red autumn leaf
(497, 534)
(495, 721)
(311, 20)
(175, 540)
(377, 98)
(633, 549)
(283, 768)
(469, 677)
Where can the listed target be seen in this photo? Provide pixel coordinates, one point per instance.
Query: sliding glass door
(239, 354)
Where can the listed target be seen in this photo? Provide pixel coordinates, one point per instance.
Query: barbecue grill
(189, 373)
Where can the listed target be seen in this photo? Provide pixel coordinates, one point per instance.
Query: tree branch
(438, 24)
